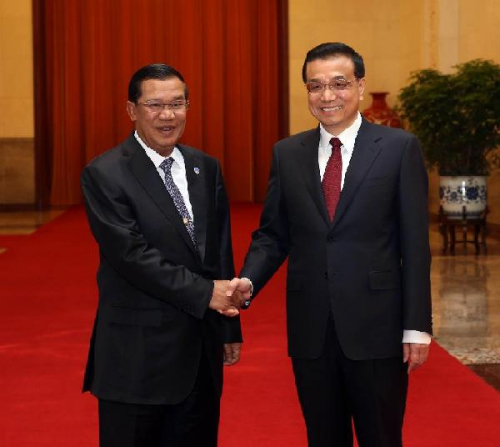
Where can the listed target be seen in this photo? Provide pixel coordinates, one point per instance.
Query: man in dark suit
(347, 203)
(159, 213)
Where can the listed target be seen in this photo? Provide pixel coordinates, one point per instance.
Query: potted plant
(457, 119)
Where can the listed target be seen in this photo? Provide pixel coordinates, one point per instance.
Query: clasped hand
(229, 296)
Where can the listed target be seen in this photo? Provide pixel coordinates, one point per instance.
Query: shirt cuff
(246, 304)
(422, 338)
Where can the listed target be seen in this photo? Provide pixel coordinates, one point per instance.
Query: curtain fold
(228, 51)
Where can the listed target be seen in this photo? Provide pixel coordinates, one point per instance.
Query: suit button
(326, 275)
(330, 239)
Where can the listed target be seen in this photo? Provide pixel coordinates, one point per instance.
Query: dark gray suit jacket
(154, 288)
(370, 268)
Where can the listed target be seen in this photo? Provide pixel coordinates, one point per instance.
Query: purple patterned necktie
(332, 178)
(176, 195)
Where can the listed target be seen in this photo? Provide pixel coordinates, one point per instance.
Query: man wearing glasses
(347, 204)
(159, 213)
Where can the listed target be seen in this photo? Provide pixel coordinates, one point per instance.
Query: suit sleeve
(414, 234)
(126, 250)
(232, 325)
(270, 242)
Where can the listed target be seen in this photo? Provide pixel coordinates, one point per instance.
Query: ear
(361, 88)
(132, 111)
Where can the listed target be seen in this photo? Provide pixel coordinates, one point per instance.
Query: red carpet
(48, 297)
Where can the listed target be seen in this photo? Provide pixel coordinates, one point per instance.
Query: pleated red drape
(230, 53)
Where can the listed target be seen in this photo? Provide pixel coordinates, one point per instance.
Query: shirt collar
(155, 157)
(347, 136)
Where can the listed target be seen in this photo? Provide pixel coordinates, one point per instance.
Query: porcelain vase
(470, 192)
(380, 113)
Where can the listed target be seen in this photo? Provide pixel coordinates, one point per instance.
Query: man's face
(335, 109)
(160, 130)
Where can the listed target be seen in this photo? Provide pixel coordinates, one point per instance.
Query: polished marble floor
(466, 305)
(25, 222)
(465, 291)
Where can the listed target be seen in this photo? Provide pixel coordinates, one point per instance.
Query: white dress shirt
(348, 138)
(178, 170)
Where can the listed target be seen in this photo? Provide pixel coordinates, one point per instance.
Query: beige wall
(378, 30)
(16, 69)
(479, 30)
(16, 103)
(395, 38)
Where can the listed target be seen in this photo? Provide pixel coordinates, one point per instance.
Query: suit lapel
(195, 174)
(364, 154)
(145, 172)
(308, 166)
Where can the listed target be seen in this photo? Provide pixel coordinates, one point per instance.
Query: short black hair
(152, 71)
(332, 49)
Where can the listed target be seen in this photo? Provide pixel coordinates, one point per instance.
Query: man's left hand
(415, 354)
(231, 353)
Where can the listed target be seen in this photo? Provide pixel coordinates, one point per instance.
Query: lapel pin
(196, 170)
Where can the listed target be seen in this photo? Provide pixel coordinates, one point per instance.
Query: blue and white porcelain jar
(460, 191)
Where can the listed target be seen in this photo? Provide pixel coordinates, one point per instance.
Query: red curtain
(230, 53)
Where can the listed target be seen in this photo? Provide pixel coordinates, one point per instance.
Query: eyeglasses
(314, 87)
(157, 107)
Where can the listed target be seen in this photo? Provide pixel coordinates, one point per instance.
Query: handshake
(229, 296)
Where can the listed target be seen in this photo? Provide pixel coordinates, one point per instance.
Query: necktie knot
(336, 143)
(166, 165)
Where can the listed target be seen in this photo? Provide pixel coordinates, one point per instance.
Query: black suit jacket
(154, 288)
(370, 268)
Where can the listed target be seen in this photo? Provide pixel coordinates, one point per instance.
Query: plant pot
(458, 192)
(380, 113)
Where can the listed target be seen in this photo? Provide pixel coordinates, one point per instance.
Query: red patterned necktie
(332, 178)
